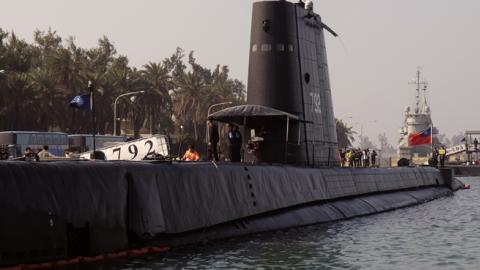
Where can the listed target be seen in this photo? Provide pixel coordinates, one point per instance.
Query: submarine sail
(288, 71)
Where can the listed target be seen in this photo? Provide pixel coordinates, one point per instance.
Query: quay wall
(465, 170)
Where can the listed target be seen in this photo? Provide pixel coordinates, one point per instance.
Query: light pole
(181, 141)
(115, 108)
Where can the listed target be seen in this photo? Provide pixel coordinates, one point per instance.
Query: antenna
(419, 83)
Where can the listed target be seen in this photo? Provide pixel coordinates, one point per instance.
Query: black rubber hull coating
(56, 208)
(309, 214)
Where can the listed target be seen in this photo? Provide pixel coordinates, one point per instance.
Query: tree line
(39, 79)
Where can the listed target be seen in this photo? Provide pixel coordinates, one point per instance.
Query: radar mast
(420, 85)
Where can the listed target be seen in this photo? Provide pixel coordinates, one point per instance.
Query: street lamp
(115, 108)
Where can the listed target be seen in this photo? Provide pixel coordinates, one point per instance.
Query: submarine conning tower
(288, 71)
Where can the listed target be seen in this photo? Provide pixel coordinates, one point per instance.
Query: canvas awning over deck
(254, 115)
(237, 114)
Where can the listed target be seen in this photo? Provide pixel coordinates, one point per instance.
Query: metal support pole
(92, 108)
(115, 117)
(286, 140)
(288, 126)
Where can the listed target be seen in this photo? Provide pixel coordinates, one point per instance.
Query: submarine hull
(87, 208)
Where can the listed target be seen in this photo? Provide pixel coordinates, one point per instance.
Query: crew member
(191, 154)
(212, 140)
(237, 144)
(30, 155)
(231, 142)
(475, 144)
(442, 154)
(373, 157)
(435, 157)
(349, 157)
(358, 158)
(44, 153)
(366, 158)
(343, 152)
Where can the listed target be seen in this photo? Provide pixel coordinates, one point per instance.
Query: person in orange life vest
(191, 154)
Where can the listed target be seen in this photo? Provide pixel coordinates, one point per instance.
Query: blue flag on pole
(81, 102)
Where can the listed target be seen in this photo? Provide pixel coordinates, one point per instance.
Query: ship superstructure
(416, 120)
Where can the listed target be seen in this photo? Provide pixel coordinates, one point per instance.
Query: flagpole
(431, 137)
(92, 108)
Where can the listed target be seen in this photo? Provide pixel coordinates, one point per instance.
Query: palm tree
(18, 110)
(48, 98)
(344, 134)
(190, 104)
(158, 102)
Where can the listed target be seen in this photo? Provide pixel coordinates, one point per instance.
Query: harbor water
(442, 234)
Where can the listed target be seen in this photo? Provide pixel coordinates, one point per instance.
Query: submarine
(290, 175)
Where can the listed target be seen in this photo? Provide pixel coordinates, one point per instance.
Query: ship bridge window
(290, 47)
(280, 47)
(254, 47)
(266, 47)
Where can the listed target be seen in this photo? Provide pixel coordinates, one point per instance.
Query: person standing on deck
(231, 142)
(213, 139)
(442, 153)
(373, 157)
(234, 143)
(238, 144)
(44, 153)
(342, 152)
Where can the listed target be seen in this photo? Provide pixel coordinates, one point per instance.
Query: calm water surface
(443, 234)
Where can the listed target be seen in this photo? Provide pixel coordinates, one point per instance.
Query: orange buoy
(466, 186)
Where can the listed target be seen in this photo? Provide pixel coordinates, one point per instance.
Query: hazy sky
(382, 43)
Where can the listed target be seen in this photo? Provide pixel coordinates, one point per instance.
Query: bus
(17, 141)
(80, 143)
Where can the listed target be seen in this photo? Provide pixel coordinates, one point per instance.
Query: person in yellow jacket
(191, 154)
(349, 156)
(442, 153)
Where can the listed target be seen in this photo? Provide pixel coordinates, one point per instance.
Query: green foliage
(345, 134)
(39, 80)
